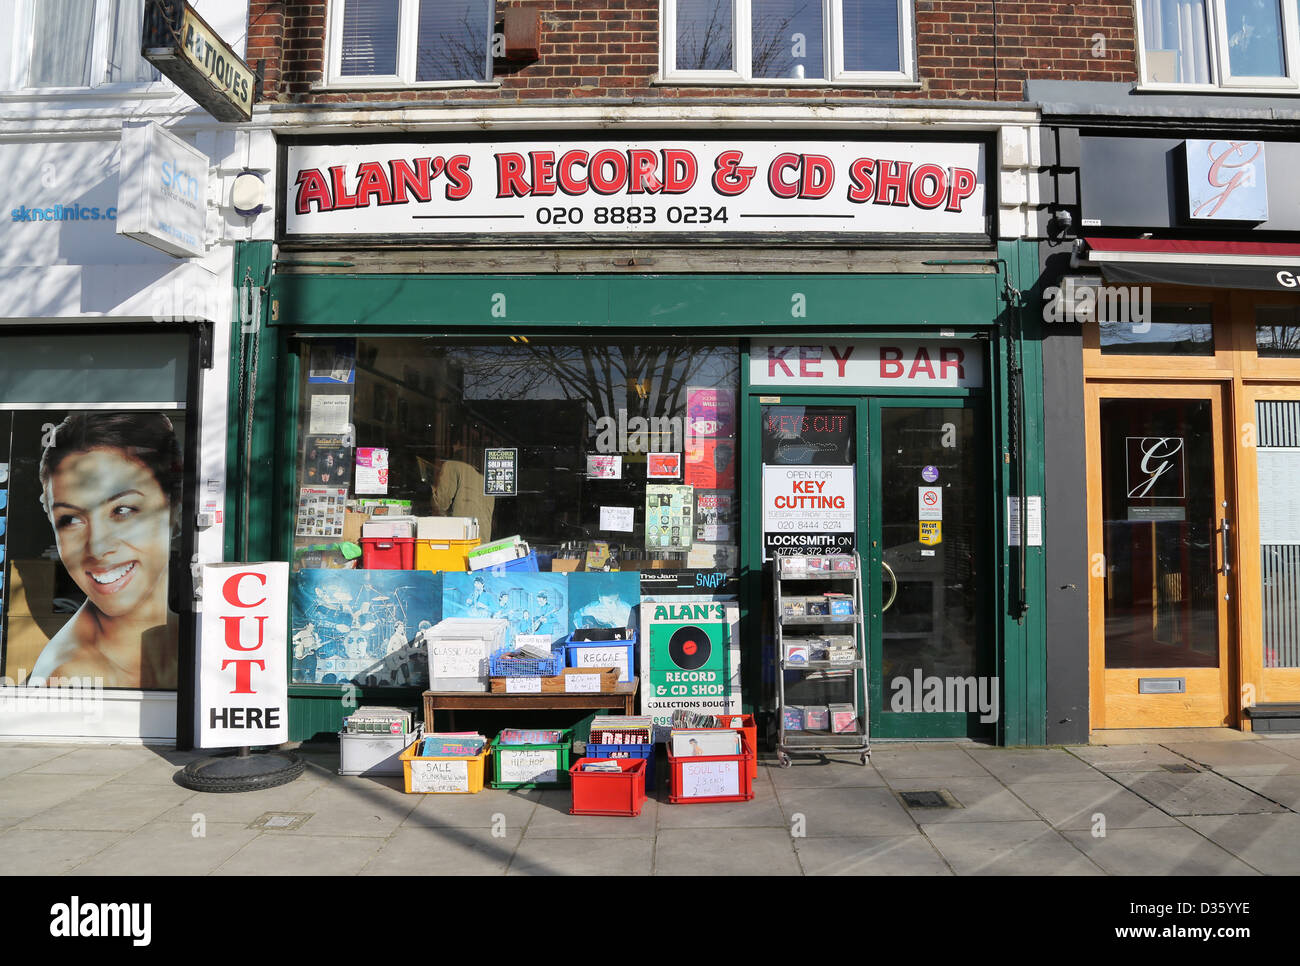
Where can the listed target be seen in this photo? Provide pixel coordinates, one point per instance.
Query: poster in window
(328, 461)
(333, 361)
(669, 517)
(366, 627)
(92, 543)
(711, 412)
(529, 603)
(711, 463)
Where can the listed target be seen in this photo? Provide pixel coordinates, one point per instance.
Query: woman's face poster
(90, 556)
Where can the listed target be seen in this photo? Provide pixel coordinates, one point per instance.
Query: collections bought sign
(243, 666)
(576, 187)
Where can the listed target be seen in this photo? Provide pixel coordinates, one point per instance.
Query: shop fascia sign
(243, 696)
(162, 194)
(866, 363)
(1227, 180)
(180, 44)
(804, 190)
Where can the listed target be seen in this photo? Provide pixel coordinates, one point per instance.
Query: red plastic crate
(745, 723)
(388, 553)
(743, 767)
(606, 793)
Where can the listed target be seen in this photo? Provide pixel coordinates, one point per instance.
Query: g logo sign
(1287, 279)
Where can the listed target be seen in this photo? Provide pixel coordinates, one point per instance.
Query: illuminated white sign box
(162, 195)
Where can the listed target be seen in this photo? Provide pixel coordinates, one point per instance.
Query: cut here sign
(867, 363)
(243, 695)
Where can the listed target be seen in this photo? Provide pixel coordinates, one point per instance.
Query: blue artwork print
(529, 603)
(604, 600)
(366, 627)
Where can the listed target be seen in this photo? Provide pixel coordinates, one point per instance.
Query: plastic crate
(645, 752)
(619, 654)
(525, 766)
(501, 666)
(374, 754)
(442, 776)
(711, 778)
(387, 553)
(520, 565)
(607, 793)
(445, 556)
(745, 723)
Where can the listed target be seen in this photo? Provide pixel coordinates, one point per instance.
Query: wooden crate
(556, 684)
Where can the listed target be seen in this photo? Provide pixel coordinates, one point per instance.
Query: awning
(1274, 266)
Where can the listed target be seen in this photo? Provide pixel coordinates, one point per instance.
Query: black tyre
(234, 774)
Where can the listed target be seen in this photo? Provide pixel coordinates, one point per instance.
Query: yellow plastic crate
(442, 776)
(449, 556)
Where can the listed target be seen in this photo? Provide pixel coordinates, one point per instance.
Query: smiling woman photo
(111, 489)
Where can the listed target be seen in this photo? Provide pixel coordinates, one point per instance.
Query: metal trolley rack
(818, 572)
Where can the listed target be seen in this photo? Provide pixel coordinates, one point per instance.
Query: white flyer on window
(372, 470)
(617, 518)
(329, 414)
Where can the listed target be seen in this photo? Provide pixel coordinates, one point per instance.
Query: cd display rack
(821, 646)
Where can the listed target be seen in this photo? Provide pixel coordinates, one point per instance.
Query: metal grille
(1279, 423)
(1280, 570)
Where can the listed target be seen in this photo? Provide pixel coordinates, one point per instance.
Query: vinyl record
(689, 647)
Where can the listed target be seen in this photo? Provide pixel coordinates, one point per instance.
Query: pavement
(1178, 804)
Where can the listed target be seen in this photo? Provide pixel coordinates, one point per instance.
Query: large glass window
(406, 42)
(610, 455)
(788, 40)
(1229, 43)
(73, 43)
(1159, 328)
(1277, 331)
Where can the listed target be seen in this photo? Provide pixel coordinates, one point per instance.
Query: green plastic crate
(529, 766)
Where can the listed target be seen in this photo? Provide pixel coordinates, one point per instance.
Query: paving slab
(980, 800)
(927, 763)
(597, 856)
(762, 811)
(871, 855)
(288, 853)
(1158, 851)
(238, 808)
(24, 795)
(1110, 758)
(1269, 843)
(813, 773)
(1007, 848)
(353, 812)
(552, 820)
(50, 851)
(108, 807)
(1012, 765)
(1076, 805)
(490, 808)
(423, 850)
(1202, 793)
(1238, 758)
(1287, 744)
(108, 762)
(162, 770)
(19, 758)
(170, 848)
(726, 851)
(844, 812)
(1283, 789)
(1160, 736)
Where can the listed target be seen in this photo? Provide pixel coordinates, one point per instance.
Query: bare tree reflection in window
(704, 35)
(452, 41)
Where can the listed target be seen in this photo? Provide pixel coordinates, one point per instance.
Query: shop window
(599, 455)
(1277, 331)
(1222, 43)
(385, 43)
(74, 43)
(1156, 328)
(791, 41)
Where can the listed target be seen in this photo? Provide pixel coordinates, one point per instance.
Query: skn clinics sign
(636, 187)
(243, 663)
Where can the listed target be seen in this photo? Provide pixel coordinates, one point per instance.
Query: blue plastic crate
(500, 666)
(520, 565)
(628, 751)
(572, 647)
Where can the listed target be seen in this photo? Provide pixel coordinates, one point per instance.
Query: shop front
(1191, 389)
(651, 436)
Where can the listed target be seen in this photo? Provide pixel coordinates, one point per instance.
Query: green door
(930, 566)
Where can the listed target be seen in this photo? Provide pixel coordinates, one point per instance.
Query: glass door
(1160, 540)
(930, 553)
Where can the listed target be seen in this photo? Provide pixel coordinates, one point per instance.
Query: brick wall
(610, 49)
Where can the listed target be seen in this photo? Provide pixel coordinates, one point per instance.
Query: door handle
(1225, 545)
(893, 592)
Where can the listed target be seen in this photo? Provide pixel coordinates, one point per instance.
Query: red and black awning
(1273, 266)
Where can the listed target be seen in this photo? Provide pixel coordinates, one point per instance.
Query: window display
(560, 442)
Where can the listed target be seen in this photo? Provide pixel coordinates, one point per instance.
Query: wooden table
(623, 696)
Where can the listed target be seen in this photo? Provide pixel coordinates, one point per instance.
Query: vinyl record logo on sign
(690, 647)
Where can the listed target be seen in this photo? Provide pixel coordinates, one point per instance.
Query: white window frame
(408, 19)
(22, 41)
(1221, 77)
(832, 47)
